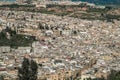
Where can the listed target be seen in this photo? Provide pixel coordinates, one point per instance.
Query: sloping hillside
(106, 2)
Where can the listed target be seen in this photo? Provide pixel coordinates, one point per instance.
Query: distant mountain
(103, 2)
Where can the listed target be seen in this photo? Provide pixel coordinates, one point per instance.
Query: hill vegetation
(10, 38)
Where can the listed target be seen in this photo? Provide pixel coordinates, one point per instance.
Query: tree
(114, 75)
(28, 71)
(28, 1)
(23, 72)
(1, 77)
(40, 26)
(33, 72)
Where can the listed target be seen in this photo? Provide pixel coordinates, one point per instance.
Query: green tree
(23, 72)
(28, 71)
(33, 72)
(115, 75)
(29, 1)
(1, 77)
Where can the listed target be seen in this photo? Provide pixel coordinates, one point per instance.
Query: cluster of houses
(67, 48)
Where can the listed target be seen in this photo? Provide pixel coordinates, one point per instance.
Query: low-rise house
(23, 50)
(5, 49)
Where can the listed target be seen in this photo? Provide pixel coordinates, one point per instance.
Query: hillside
(104, 2)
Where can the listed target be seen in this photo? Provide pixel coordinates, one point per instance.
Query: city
(64, 47)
